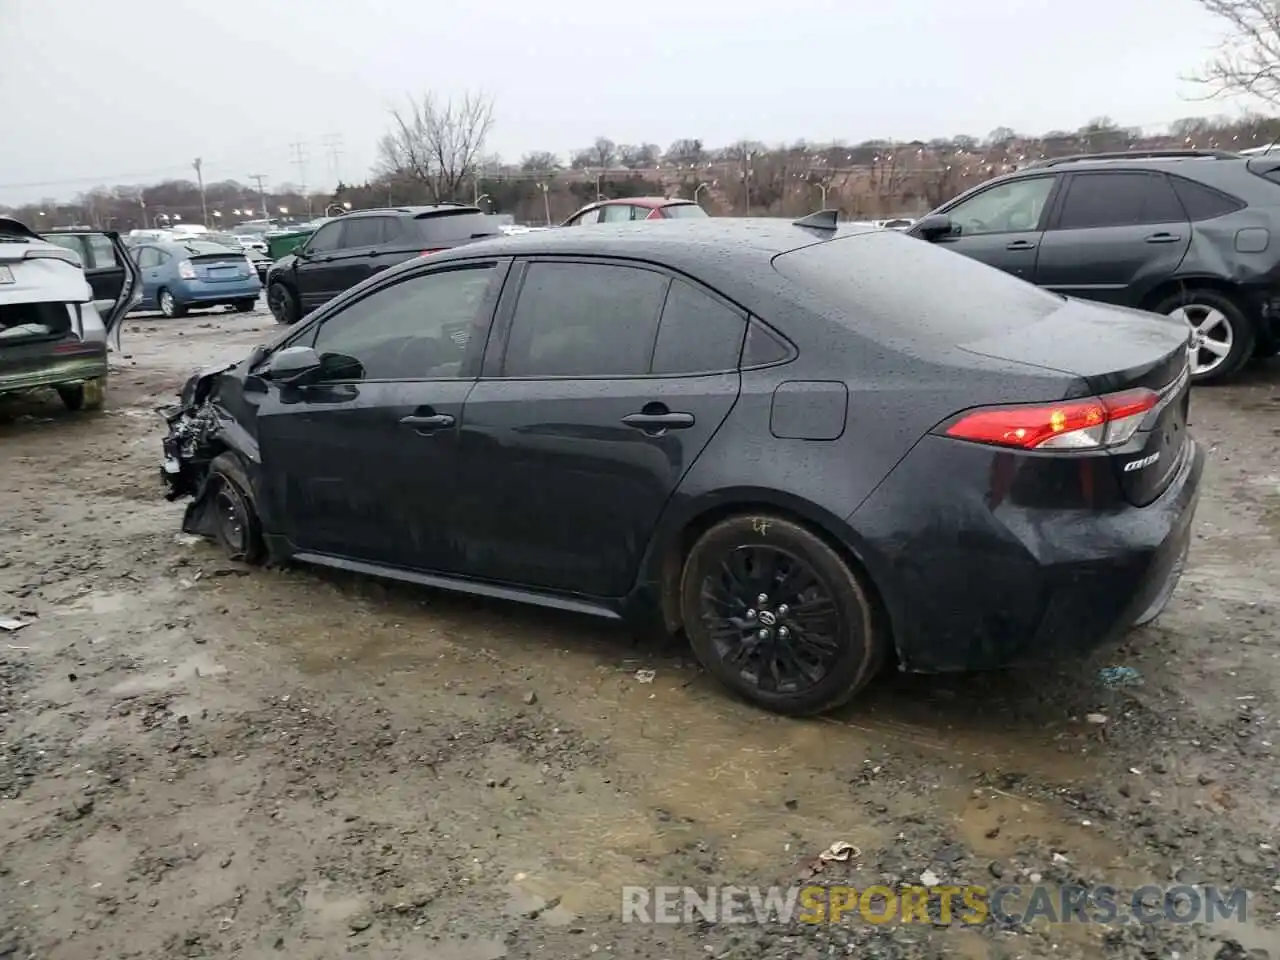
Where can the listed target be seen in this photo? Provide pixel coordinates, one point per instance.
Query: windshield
(685, 211)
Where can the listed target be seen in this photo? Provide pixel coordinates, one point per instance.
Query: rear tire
(169, 305)
(237, 527)
(1216, 320)
(282, 303)
(778, 617)
(245, 306)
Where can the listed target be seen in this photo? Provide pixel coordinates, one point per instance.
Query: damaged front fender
(200, 428)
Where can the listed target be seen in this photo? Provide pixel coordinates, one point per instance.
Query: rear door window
(1118, 199)
(698, 333)
(584, 320)
(617, 213)
(149, 257)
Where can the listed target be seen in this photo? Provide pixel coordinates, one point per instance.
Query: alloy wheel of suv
(1211, 336)
(1222, 339)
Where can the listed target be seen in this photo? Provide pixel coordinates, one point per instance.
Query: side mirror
(291, 365)
(933, 227)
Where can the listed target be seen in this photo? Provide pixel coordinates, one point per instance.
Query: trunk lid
(1113, 349)
(221, 267)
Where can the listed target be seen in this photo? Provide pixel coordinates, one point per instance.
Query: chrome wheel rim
(166, 303)
(1212, 336)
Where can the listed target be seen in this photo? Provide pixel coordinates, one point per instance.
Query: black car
(811, 450)
(1185, 233)
(353, 247)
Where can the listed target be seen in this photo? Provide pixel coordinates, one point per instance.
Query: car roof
(725, 239)
(414, 211)
(650, 202)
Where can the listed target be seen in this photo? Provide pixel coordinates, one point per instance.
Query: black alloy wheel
(778, 616)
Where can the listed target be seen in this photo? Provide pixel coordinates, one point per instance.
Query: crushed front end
(200, 428)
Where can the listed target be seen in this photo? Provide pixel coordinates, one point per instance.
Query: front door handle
(427, 423)
(1020, 245)
(1163, 238)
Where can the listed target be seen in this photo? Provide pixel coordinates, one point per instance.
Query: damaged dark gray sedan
(813, 449)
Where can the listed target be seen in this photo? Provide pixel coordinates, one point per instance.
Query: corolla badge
(1143, 462)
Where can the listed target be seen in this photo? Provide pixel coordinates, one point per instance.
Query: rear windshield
(684, 211)
(456, 227)
(892, 284)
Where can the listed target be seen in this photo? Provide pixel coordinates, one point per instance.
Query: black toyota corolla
(813, 450)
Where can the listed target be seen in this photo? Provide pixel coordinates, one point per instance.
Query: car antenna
(822, 220)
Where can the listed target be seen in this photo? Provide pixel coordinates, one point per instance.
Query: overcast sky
(132, 91)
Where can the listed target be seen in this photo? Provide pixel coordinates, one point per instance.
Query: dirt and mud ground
(198, 760)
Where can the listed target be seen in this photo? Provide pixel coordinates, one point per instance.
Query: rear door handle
(1163, 238)
(1020, 245)
(659, 421)
(427, 423)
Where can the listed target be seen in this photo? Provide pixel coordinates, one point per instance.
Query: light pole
(700, 187)
(483, 196)
(746, 182)
(546, 200)
(823, 187)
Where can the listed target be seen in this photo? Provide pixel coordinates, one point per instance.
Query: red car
(635, 208)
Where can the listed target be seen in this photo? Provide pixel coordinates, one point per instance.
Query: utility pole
(300, 161)
(258, 178)
(204, 207)
(333, 143)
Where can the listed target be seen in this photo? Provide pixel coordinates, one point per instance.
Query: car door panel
(1102, 259)
(561, 485)
(1003, 226)
(342, 467)
(566, 469)
(317, 279)
(363, 464)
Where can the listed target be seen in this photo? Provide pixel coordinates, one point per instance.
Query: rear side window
(698, 333)
(456, 227)
(1201, 202)
(1120, 199)
(149, 257)
(584, 320)
(947, 299)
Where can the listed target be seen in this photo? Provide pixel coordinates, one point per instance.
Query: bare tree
(437, 144)
(1248, 60)
(603, 152)
(539, 161)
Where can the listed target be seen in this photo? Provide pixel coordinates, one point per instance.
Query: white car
(58, 312)
(252, 242)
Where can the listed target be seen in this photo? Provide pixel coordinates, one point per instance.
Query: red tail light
(427, 253)
(1089, 424)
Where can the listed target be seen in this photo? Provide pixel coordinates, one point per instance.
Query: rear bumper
(52, 369)
(975, 579)
(201, 291)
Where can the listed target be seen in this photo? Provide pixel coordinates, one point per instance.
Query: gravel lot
(199, 760)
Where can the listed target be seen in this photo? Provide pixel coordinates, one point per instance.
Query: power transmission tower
(333, 143)
(300, 161)
(204, 207)
(262, 195)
